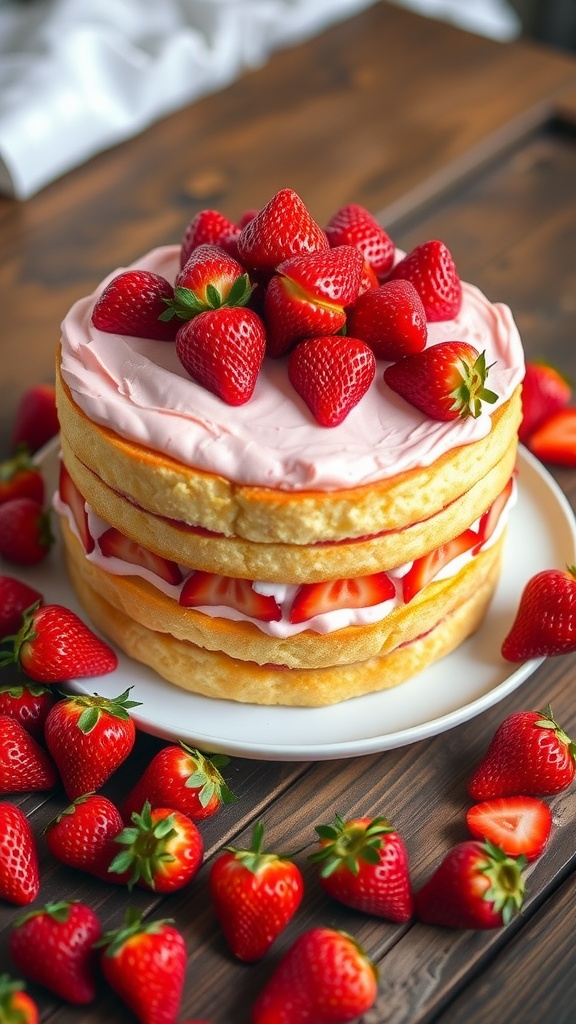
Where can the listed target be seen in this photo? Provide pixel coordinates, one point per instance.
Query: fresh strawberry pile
(548, 425)
(333, 301)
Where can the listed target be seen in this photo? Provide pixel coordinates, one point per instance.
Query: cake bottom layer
(214, 674)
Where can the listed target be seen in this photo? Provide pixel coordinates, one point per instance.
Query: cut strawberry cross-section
(358, 592)
(426, 568)
(211, 589)
(114, 544)
(71, 496)
(489, 521)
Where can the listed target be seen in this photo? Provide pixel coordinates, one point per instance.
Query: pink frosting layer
(139, 388)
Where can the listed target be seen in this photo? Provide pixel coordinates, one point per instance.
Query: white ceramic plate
(541, 535)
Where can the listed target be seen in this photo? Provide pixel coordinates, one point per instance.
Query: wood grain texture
(443, 134)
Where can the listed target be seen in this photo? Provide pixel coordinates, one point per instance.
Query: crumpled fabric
(78, 76)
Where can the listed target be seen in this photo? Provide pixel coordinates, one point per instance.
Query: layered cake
(252, 502)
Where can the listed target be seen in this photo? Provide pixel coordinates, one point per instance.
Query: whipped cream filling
(284, 594)
(138, 388)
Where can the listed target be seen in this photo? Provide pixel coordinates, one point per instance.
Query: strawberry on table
(545, 621)
(161, 850)
(89, 738)
(21, 478)
(431, 269)
(363, 863)
(132, 304)
(54, 947)
(210, 279)
(207, 588)
(16, 1006)
(25, 534)
(445, 381)
(282, 228)
(19, 871)
(114, 544)
(28, 703)
(54, 645)
(83, 836)
(354, 225)
(476, 885)
(209, 227)
(222, 350)
(331, 375)
(36, 420)
(16, 597)
(528, 754)
(390, 319)
(308, 296)
(255, 894)
(325, 977)
(183, 778)
(544, 391)
(145, 965)
(356, 592)
(25, 766)
(517, 824)
(554, 440)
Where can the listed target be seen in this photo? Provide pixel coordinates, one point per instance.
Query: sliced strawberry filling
(207, 588)
(114, 544)
(359, 592)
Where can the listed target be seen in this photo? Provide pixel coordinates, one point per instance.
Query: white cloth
(78, 76)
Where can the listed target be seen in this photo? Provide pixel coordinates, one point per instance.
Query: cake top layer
(139, 388)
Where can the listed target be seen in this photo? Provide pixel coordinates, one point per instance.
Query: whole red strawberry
(209, 227)
(89, 738)
(15, 597)
(54, 645)
(25, 766)
(132, 304)
(83, 836)
(25, 534)
(363, 863)
(325, 977)
(210, 279)
(36, 420)
(16, 1006)
(255, 894)
(19, 871)
(161, 850)
(390, 319)
(20, 478)
(545, 621)
(223, 349)
(431, 269)
(281, 229)
(445, 381)
(355, 225)
(28, 704)
(183, 778)
(476, 885)
(54, 947)
(544, 391)
(529, 753)
(331, 374)
(308, 296)
(145, 964)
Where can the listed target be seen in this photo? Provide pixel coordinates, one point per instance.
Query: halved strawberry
(114, 544)
(489, 521)
(71, 496)
(308, 295)
(207, 588)
(358, 592)
(424, 569)
(554, 440)
(544, 391)
(430, 268)
(354, 225)
(209, 227)
(331, 374)
(517, 824)
(279, 230)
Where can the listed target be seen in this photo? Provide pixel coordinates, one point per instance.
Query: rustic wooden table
(441, 134)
